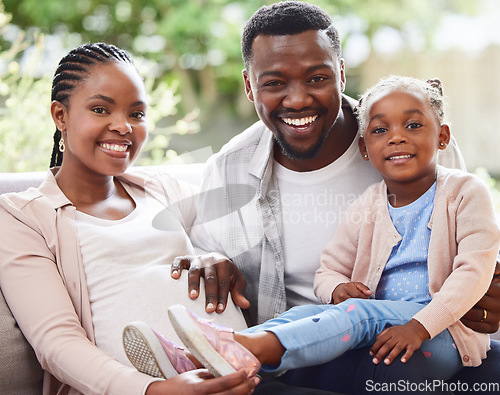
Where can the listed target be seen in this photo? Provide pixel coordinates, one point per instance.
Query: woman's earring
(365, 156)
(62, 147)
(441, 144)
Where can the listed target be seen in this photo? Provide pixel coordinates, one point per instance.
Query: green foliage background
(188, 51)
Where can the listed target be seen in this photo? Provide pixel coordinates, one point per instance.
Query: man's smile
(305, 121)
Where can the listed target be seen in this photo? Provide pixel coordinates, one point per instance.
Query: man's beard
(292, 153)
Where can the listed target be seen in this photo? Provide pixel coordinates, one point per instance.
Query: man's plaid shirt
(239, 214)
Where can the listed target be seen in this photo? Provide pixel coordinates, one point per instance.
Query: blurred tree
(26, 127)
(196, 43)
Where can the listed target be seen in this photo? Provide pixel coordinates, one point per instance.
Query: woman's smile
(115, 149)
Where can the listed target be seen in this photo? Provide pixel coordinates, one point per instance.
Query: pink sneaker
(213, 345)
(152, 354)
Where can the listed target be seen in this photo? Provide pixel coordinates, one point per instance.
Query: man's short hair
(287, 18)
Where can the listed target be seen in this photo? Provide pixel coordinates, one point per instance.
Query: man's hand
(393, 340)
(484, 317)
(221, 276)
(350, 290)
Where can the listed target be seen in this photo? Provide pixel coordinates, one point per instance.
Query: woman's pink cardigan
(463, 247)
(43, 281)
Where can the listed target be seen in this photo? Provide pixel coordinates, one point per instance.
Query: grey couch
(20, 372)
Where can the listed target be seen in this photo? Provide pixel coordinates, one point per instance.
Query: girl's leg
(294, 314)
(315, 334)
(333, 329)
(442, 358)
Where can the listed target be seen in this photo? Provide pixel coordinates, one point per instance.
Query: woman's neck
(94, 194)
(85, 188)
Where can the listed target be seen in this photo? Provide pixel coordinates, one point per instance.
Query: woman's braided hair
(74, 68)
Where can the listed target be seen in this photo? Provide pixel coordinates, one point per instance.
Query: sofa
(20, 373)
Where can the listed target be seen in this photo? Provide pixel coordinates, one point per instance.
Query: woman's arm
(38, 298)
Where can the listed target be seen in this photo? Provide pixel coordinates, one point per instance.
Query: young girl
(425, 240)
(79, 257)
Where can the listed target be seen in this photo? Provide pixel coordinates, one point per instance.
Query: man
(303, 166)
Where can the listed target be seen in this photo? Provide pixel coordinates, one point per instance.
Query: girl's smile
(402, 139)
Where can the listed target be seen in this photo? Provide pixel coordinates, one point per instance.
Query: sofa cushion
(17, 182)
(20, 371)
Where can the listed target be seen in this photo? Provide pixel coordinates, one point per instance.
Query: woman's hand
(484, 317)
(391, 341)
(202, 382)
(221, 277)
(350, 290)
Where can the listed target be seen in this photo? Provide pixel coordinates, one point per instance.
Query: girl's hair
(431, 89)
(73, 69)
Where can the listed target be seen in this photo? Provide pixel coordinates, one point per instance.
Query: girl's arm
(338, 258)
(477, 239)
(392, 341)
(473, 229)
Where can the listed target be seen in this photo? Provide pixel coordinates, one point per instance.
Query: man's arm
(221, 274)
(484, 317)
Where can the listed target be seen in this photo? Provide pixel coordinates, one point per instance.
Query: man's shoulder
(349, 102)
(249, 139)
(253, 145)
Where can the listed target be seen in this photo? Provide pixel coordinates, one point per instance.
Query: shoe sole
(144, 351)
(197, 343)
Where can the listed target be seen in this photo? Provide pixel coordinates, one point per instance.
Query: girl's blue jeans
(315, 334)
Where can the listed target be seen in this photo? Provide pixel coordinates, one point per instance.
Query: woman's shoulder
(20, 199)
(158, 181)
(34, 207)
(47, 194)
